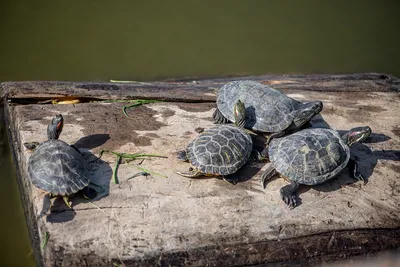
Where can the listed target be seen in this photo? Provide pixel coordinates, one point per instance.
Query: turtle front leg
(219, 118)
(192, 173)
(274, 135)
(256, 155)
(353, 167)
(268, 174)
(264, 153)
(288, 194)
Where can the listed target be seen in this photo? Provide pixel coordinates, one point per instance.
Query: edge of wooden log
(28, 208)
(300, 251)
(190, 90)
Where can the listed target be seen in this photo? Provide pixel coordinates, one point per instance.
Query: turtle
(56, 167)
(312, 156)
(267, 110)
(220, 150)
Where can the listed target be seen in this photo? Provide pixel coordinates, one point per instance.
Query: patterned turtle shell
(57, 168)
(311, 156)
(267, 109)
(221, 150)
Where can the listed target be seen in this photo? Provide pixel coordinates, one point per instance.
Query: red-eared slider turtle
(312, 156)
(267, 110)
(56, 167)
(220, 150)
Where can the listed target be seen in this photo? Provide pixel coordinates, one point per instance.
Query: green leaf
(115, 172)
(45, 239)
(151, 172)
(138, 102)
(119, 81)
(132, 156)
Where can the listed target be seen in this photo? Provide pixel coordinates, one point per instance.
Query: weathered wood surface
(156, 221)
(195, 90)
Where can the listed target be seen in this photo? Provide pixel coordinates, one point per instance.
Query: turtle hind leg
(46, 205)
(268, 174)
(219, 118)
(182, 155)
(89, 192)
(31, 145)
(353, 167)
(192, 173)
(288, 194)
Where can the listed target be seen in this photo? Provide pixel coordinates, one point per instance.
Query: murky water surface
(14, 241)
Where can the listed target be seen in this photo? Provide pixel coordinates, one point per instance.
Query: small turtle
(312, 156)
(267, 110)
(219, 151)
(56, 167)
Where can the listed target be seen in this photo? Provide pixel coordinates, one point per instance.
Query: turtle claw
(290, 201)
(66, 201)
(288, 194)
(360, 178)
(219, 117)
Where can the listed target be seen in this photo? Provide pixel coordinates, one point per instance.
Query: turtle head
(55, 127)
(306, 112)
(239, 112)
(357, 134)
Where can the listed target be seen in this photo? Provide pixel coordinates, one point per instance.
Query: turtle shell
(221, 150)
(57, 168)
(267, 109)
(311, 156)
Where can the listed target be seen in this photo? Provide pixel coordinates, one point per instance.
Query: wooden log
(158, 221)
(194, 90)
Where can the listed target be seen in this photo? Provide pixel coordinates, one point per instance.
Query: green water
(147, 40)
(14, 241)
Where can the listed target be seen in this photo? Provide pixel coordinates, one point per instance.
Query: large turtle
(267, 110)
(56, 167)
(312, 156)
(220, 150)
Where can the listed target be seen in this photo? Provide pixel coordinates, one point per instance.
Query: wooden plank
(195, 90)
(150, 221)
